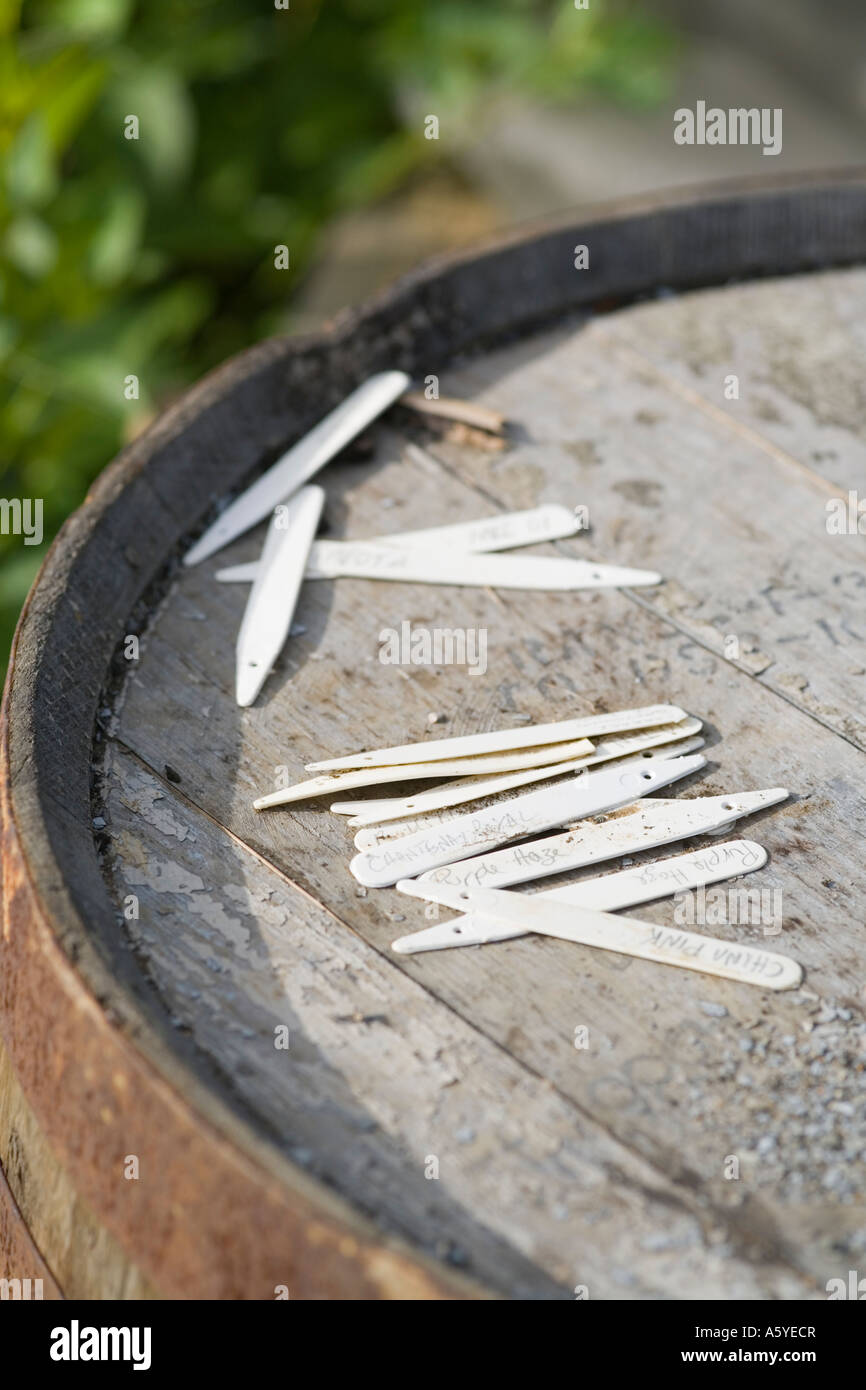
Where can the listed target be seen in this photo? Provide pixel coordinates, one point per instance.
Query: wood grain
(559, 1166)
(380, 1077)
(332, 695)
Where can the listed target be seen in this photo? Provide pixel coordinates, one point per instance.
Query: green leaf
(166, 120)
(9, 13)
(31, 246)
(31, 178)
(103, 19)
(116, 242)
(18, 572)
(66, 89)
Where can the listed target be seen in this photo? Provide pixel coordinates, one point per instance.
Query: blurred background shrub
(258, 126)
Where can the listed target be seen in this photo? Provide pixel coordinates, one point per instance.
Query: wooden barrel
(433, 1129)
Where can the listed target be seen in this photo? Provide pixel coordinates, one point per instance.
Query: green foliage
(154, 256)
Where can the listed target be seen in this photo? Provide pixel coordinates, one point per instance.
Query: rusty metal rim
(63, 963)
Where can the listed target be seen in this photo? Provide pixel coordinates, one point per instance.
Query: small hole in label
(464, 895)
(458, 931)
(647, 776)
(728, 806)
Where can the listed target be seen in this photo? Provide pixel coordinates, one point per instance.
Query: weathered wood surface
(557, 1166)
(670, 484)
